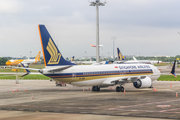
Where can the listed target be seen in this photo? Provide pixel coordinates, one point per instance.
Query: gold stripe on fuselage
(80, 79)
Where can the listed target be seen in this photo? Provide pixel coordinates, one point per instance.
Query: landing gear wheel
(98, 88)
(121, 88)
(151, 86)
(95, 88)
(117, 89)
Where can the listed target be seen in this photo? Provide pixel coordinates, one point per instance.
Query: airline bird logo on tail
(55, 56)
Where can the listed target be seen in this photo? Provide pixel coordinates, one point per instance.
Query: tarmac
(42, 99)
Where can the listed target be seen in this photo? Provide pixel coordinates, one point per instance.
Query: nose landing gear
(95, 88)
(120, 89)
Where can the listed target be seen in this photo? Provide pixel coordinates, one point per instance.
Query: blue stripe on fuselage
(99, 73)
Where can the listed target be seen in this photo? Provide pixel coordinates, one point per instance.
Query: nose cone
(8, 63)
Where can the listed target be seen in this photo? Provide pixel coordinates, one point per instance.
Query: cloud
(137, 25)
(9, 6)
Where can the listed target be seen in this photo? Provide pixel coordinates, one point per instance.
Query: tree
(67, 58)
(3, 61)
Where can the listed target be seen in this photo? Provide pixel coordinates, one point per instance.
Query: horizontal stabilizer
(59, 69)
(27, 68)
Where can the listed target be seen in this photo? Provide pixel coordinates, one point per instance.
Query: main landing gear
(120, 89)
(95, 88)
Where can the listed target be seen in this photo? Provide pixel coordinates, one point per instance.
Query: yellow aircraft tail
(37, 59)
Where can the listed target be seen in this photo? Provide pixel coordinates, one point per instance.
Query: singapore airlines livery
(57, 68)
(120, 56)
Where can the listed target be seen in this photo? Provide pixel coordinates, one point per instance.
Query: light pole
(30, 53)
(85, 55)
(97, 4)
(113, 38)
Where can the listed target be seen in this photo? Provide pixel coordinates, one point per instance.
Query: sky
(141, 27)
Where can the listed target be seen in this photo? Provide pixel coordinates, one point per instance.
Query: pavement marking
(170, 109)
(148, 103)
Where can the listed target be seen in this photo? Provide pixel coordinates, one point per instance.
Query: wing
(122, 80)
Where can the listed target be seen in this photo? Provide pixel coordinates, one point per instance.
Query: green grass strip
(27, 77)
(168, 78)
(35, 77)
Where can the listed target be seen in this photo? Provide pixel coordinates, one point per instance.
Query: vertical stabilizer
(72, 59)
(135, 59)
(51, 54)
(120, 57)
(37, 58)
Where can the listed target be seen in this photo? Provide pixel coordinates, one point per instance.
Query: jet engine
(143, 83)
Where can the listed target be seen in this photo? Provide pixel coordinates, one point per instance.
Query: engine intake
(143, 83)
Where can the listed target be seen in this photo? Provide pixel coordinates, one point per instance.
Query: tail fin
(93, 45)
(37, 59)
(72, 59)
(135, 59)
(120, 57)
(51, 54)
(91, 59)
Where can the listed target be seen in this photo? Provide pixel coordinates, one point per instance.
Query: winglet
(173, 69)
(27, 71)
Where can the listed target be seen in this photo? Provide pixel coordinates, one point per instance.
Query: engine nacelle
(143, 83)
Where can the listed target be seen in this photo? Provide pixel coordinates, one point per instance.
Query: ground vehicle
(60, 83)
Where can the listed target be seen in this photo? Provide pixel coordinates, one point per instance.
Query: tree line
(3, 60)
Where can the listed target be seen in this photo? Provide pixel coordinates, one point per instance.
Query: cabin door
(73, 75)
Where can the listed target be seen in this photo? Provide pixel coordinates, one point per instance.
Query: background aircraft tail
(37, 58)
(72, 59)
(120, 57)
(135, 59)
(93, 45)
(51, 54)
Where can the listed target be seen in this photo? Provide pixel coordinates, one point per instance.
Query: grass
(35, 77)
(168, 78)
(27, 77)
(36, 66)
(162, 64)
(10, 70)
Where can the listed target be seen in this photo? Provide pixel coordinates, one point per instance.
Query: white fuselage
(91, 75)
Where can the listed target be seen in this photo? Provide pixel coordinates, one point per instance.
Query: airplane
(97, 76)
(95, 45)
(122, 60)
(147, 61)
(25, 62)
